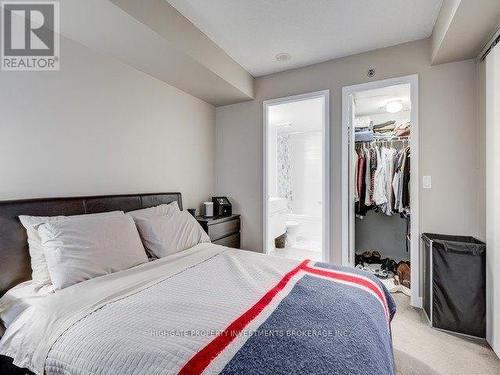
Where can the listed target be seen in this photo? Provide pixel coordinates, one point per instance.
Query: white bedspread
(145, 320)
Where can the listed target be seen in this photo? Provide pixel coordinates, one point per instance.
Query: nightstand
(222, 230)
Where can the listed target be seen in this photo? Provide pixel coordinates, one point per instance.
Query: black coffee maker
(222, 206)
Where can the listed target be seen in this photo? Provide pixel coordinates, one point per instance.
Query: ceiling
(152, 37)
(373, 102)
(300, 116)
(463, 29)
(253, 32)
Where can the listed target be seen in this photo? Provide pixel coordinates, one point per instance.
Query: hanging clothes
(361, 176)
(405, 194)
(355, 161)
(379, 194)
(388, 160)
(382, 177)
(373, 168)
(361, 208)
(368, 179)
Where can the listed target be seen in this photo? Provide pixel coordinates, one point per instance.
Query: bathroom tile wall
(283, 166)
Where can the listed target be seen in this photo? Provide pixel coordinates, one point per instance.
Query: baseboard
(493, 347)
(417, 302)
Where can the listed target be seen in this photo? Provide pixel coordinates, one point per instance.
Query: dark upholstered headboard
(15, 266)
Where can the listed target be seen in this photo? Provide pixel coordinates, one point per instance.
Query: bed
(208, 309)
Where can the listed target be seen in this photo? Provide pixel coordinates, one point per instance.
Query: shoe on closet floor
(404, 274)
(371, 257)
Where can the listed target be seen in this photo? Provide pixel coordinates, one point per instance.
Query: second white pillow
(162, 209)
(168, 234)
(78, 250)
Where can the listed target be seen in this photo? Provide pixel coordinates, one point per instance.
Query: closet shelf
(378, 140)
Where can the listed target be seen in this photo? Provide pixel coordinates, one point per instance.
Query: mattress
(210, 309)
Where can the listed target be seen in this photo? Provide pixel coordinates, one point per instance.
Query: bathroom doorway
(296, 176)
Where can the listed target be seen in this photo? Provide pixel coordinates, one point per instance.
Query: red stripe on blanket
(198, 363)
(353, 279)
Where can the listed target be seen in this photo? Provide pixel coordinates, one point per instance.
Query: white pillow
(161, 210)
(40, 273)
(78, 250)
(169, 234)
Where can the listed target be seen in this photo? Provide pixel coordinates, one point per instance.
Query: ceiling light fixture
(282, 57)
(394, 106)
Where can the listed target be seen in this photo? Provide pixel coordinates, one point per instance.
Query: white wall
(272, 152)
(306, 172)
(492, 197)
(448, 137)
(101, 127)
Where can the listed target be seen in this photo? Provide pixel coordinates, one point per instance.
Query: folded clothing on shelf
(391, 129)
(384, 125)
(362, 129)
(402, 130)
(364, 136)
(385, 129)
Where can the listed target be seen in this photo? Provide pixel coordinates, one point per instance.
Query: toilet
(292, 230)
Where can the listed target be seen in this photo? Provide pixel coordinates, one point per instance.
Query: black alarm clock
(222, 206)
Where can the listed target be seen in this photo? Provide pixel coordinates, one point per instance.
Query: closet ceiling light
(394, 106)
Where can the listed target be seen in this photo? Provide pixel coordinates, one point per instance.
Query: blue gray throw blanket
(333, 320)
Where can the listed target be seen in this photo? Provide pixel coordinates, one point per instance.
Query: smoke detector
(282, 57)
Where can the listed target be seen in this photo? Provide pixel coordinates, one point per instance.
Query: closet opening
(380, 215)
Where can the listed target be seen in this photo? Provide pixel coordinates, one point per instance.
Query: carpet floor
(420, 349)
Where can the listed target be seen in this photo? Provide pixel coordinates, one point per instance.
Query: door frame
(325, 94)
(347, 191)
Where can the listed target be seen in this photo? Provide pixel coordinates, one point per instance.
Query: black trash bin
(454, 293)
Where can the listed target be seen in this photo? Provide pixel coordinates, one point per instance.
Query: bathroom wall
(284, 173)
(306, 173)
(272, 149)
